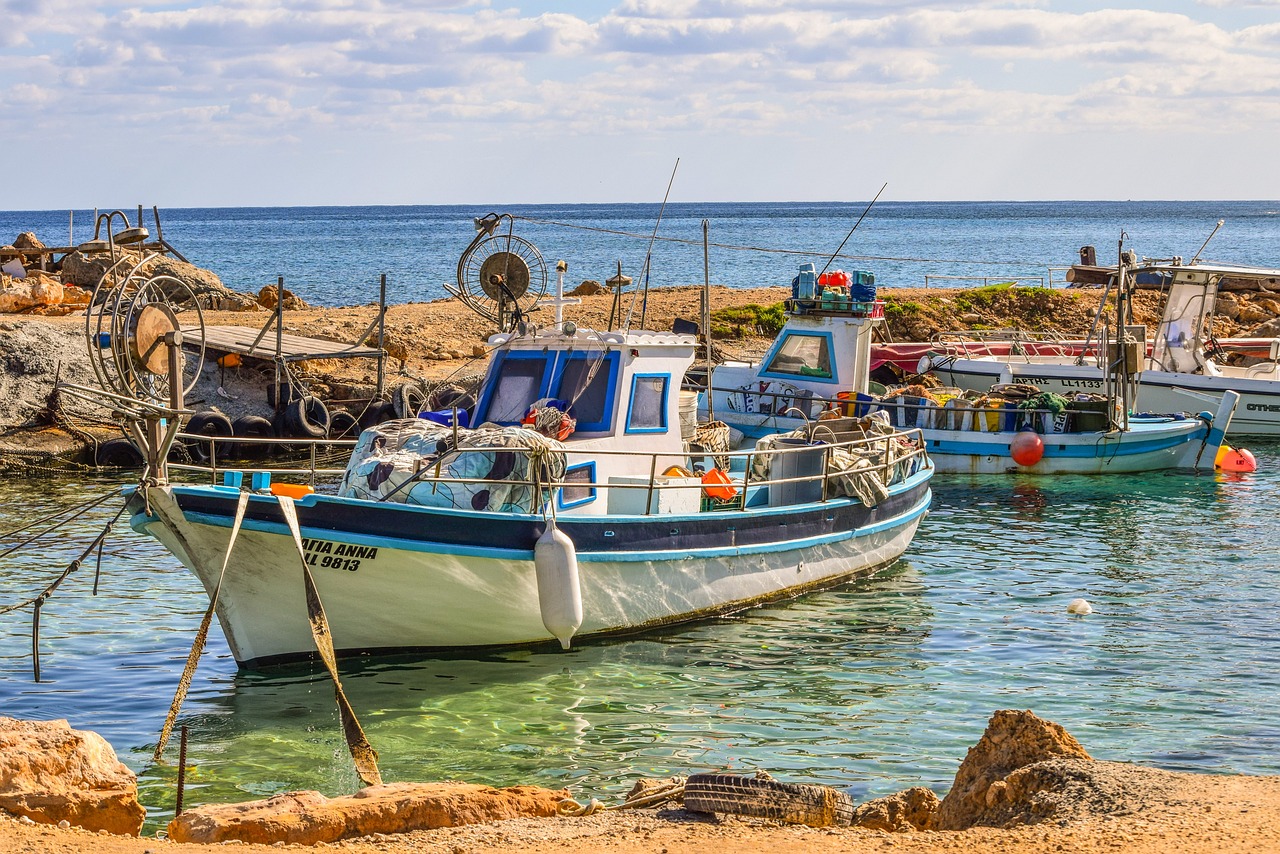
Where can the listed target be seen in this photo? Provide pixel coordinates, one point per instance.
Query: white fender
(555, 561)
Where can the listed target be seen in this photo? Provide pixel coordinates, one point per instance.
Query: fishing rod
(644, 272)
(836, 254)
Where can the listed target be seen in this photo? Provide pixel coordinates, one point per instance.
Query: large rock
(28, 240)
(180, 282)
(1013, 740)
(911, 810)
(308, 818)
(50, 772)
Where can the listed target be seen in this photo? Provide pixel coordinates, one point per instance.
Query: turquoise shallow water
(873, 686)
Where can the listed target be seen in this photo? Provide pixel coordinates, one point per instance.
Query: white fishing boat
(1183, 371)
(571, 511)
(816, 372)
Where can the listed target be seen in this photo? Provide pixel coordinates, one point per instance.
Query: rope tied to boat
(36, 603)
(202, 634)
(670, 790)
(362, 753)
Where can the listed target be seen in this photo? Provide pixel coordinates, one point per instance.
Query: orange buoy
(229, 360)
(1027, 448)
(1238, 460)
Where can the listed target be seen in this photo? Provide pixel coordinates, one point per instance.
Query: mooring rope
(365, 757)
(674, 789)
(75, 512)
(202, 634)
(37, 602)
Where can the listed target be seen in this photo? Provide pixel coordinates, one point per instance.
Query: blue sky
(258, 102)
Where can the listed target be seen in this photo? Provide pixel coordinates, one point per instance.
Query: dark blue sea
(335, 255)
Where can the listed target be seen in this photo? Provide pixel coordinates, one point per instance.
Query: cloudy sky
(275, 102)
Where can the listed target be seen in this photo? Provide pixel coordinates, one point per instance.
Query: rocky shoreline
(1025, 786)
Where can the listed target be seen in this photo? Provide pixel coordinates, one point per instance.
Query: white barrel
(555, 562)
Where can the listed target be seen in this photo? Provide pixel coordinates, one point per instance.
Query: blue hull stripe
(140, 520)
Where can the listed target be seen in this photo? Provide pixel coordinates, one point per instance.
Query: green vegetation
(737, 321)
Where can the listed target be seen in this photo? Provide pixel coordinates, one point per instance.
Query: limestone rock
(308, 818)
(85, 269)
(1227, 305)
(588, 288)
(268, 297)
(1270, 329)
(28, 240)
(1013, 740)
(904, 812)
(50, 772)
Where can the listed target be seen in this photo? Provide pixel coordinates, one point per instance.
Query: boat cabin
(623, 389)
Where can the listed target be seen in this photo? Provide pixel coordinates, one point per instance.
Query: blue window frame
(802, 356)
(575, 496)
(517, 379)
(593, 404)
(647, 409)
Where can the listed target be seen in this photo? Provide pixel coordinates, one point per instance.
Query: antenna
(648, 254)
(836, 254)
(1196, 257)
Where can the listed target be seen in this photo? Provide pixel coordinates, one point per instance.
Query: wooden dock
(248, 341)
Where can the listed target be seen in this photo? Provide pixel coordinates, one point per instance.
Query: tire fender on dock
(555, 562)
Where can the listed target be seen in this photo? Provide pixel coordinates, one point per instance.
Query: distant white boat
(1184, 371)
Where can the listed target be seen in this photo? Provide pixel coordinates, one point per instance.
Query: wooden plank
(293, 348)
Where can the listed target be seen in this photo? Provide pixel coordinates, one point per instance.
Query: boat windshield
(802, 355)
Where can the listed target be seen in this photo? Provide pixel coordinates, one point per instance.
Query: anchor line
(76, 512)
(37, 602)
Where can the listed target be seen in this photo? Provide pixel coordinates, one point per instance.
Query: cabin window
(587, 381)
(518, 383)
(802, 355)
(648, 411)
(576, 490)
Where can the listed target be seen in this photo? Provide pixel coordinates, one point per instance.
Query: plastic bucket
(716, 484)
(688, 414)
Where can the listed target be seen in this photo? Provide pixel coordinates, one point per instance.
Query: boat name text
(1064, 383)
(1262, 407)
(329, 555)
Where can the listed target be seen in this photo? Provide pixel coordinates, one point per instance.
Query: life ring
(307, 418)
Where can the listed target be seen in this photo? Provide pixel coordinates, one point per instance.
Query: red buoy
(1027, 448)
(1238, 460)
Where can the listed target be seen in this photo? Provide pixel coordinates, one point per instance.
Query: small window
(648, 412)
(572, 495)
(802, 356)
(517, 386)
(586, 381)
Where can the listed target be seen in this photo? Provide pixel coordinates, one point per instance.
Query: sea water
(872, 686)
(336, 255)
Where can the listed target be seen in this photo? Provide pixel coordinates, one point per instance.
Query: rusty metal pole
(279, 340)
(382, 325)
(182, 770)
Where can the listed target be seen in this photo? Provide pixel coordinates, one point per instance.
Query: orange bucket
(291, 490)
(716, 484)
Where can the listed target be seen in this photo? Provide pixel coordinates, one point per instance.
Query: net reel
(499, 274)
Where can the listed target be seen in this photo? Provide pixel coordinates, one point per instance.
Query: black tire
(252, 427)
(208, 424)
(376, 413)
(408, 399)
(307, 418)
(118, 453)
(288, 393)
(790, 803)
(343, 425)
